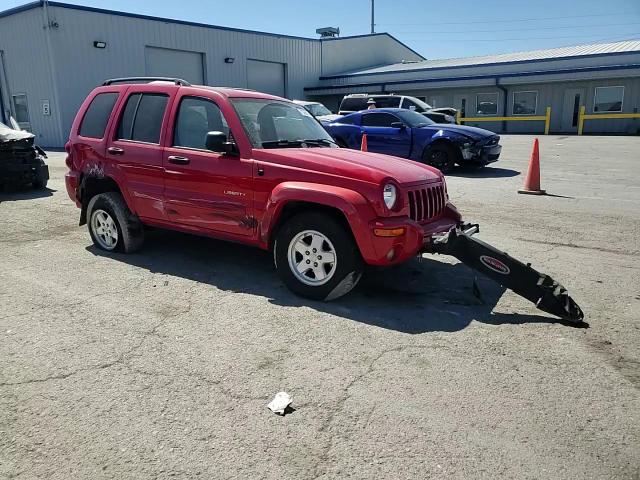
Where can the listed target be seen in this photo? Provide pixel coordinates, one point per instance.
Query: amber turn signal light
(388, 232)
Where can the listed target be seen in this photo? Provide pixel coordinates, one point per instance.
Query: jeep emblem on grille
(495, 265)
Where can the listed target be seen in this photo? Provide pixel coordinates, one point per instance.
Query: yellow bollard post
(581, 119)
(547, 121)
(458, 117)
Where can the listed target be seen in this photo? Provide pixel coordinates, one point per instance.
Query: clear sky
(434, 28)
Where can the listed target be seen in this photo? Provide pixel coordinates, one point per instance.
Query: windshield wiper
(298, 143)
(282, 143)
(319, 141)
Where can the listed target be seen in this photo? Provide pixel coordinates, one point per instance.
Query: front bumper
(416, 237)
(15, 173)
(481, 155)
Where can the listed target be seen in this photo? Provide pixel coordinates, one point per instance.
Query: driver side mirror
(217, 142)
(399, 125)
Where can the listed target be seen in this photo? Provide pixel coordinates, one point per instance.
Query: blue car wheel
(442, 157)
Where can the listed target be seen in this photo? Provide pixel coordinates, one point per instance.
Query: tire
(307, 230)
(440, 156)
(40, 183)
(124, 229)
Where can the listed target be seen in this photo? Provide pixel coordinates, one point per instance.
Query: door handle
(115, 151)
(178, 160)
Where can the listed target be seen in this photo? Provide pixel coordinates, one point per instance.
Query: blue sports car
(407, 134)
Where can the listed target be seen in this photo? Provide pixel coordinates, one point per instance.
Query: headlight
(390, 195)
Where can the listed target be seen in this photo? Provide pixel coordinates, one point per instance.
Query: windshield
(279, 124)
(414, 119)
(317, 109)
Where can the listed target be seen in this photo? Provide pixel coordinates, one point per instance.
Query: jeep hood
(344, 162)
(474, 133)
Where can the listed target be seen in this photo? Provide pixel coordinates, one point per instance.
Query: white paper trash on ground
(280, 403)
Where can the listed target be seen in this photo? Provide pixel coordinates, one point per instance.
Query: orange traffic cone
(363, 145)
(532, 182)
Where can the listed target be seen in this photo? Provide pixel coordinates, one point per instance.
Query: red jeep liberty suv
(247, 167)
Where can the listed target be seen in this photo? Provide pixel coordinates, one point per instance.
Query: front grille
(427, 203)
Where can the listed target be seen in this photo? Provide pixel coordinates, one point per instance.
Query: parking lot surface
(160, 364)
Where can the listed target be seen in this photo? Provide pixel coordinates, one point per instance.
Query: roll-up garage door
(267, 77)
(165, 62)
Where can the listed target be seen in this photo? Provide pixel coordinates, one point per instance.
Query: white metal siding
(22, 39)
(165, 62)
(267, 77)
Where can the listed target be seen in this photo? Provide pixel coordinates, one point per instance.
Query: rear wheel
(316, 257)
(111, 224)
(440, 156)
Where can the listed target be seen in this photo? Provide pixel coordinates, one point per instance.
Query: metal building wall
(352, 53)
(80, 66)
(24, 50)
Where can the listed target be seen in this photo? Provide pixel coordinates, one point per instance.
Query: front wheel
(442, 157)
(316, 257)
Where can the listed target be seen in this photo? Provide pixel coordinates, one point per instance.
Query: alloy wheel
(104, 229)
(312, 258)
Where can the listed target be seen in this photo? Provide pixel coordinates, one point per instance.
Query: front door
(461, 103)
(203, 189)
(573, 99)
(382, 137)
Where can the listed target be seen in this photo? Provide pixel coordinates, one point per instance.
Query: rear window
(353, 104)
(142, 117)
(95, 119)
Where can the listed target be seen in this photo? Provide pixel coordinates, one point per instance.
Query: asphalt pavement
(160, 364)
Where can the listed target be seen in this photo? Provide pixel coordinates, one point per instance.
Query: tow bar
(547, 294)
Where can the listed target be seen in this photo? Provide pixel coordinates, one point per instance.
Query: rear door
(89, 137)
(210, 191)
(135, 147)
(382, 137)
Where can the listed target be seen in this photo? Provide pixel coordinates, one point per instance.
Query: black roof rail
(177, 81)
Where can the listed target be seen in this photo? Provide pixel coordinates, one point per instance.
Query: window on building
(378, 120)
(197, 117)
(525, 103)
(95, 119)
(608, 99)
(21, 108)
(487, 104)
(142, 117)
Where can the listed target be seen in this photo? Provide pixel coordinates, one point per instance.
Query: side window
(387, 102)
(196, 117)
(409, 104)
(142, 117)
(97, 115)
(378, 120)
(353, 104)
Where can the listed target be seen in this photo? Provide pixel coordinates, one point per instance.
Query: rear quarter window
(95, 119)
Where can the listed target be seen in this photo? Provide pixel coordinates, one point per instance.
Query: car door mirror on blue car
(399, 125)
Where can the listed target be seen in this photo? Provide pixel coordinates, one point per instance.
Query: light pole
(373, 25)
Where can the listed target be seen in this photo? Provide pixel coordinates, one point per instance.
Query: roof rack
(177, 81)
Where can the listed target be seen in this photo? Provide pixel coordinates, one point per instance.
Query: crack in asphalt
(119, 360)
(323, 460)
